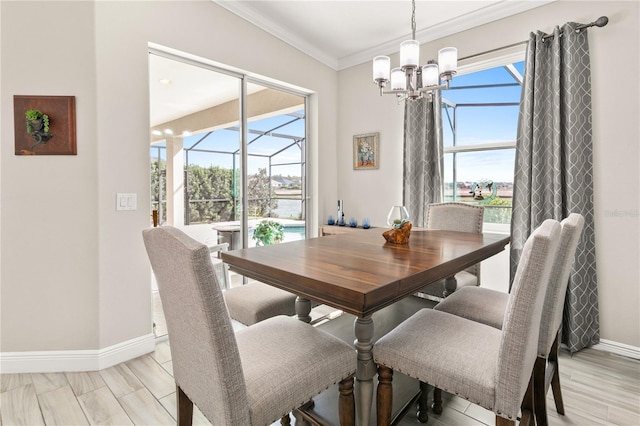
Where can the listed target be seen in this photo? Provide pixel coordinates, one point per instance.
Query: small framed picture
(366, 151)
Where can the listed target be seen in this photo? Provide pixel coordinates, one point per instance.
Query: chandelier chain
(413, 19)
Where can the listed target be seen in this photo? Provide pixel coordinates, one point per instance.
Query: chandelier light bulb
(409, 53)
(448, 60)
(381, 68)
(398, 79)
(430, 75)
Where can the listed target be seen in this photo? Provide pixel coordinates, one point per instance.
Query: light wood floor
(599, 389)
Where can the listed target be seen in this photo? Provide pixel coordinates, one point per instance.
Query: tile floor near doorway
(599, 389)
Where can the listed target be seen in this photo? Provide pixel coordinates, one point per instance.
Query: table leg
(303, 309)
(365, 369)
(450, 285)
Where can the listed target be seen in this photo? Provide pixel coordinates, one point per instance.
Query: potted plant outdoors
(37, 121)
(268, 232)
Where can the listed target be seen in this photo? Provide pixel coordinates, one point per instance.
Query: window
(480, 117)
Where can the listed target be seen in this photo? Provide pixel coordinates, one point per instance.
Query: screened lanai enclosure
(211, 167)
(228, 152)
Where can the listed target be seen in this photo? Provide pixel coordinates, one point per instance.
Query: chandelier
(410, 80)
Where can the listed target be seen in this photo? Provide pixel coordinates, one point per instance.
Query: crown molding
(248, 14)
(493, 12)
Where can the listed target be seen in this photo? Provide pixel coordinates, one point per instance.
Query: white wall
(615, 91)
(49, 203)
(74, 272)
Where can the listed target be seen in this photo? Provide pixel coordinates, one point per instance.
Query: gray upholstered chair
(488, 307)
(249, 303)
(453, 217)
(256, 301)
(251, 377)
(489, 367)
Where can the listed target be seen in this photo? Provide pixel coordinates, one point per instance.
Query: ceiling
(339, 34)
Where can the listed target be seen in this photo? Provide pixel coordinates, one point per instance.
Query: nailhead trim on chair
(443, 389)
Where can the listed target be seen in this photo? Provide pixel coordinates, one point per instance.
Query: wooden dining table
(360, 273)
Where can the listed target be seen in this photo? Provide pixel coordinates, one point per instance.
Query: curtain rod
(493, 50)
(600, 22)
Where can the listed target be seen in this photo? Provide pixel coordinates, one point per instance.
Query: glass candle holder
(396, 215)
(331, 220)
(353, 222)
(365, 223)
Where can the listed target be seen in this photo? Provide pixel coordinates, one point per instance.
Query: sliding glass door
(227, 151)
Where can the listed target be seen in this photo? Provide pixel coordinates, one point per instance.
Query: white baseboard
(82, 360)
(618, 348)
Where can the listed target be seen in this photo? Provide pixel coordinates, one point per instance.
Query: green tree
(260, 203)
(210, 193)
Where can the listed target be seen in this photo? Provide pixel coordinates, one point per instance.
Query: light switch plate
(126, 201)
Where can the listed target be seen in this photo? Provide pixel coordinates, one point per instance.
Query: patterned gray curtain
(423, 157)
(554, 167)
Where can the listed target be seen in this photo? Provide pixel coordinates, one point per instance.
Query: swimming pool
(293, 233)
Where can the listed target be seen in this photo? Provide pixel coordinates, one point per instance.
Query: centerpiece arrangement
(398, 219)
(400, 232)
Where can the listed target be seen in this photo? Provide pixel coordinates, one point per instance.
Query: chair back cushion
(204, 351)
(457, 217)
(521, 325)
(554, 299)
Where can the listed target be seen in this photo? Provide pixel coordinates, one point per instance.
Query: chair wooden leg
(384, 397)
(285, 420)
(555, 377)
(540, 391)
(423, 403)
(501, 421)
(437, 401)
(527, 416)
(346, 402)
(185, 408)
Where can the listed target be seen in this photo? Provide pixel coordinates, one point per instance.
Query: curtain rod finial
(601, 21)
